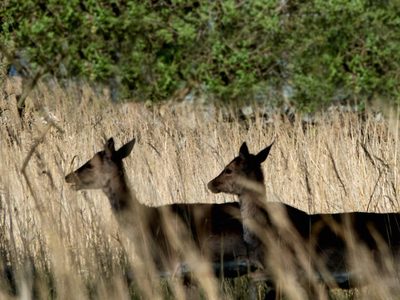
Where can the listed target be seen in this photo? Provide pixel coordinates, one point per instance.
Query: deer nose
(68, 178)
(212, 188)
(209, 185)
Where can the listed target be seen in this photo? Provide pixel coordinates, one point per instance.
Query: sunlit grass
(60, 244)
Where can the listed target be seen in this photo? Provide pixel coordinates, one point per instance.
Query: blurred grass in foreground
(62, 244)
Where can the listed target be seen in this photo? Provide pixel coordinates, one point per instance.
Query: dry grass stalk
(76, 248)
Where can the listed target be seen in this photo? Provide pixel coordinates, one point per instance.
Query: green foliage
(227, 49)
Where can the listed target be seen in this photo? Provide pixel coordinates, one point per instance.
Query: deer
(318, 247)
(215, 230)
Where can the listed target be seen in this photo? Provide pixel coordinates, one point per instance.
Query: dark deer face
(244, 172)
(102, 169)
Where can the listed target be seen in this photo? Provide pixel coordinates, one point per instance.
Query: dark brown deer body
(215, 230)
(330, 240)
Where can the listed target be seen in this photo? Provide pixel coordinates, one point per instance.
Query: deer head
(100, 171)
(244, 172)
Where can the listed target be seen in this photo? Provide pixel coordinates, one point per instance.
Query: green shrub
(228, 50)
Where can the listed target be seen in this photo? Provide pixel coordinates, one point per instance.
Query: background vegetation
(303, 53)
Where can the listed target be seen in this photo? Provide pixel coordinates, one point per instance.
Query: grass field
(57, 243)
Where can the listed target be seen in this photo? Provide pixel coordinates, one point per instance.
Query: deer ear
(109, 148)
(126, 149)
(244, 151)
(262, 156)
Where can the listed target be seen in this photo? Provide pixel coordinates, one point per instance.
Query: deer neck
(119, 194)
(132, 216)
(252, 207)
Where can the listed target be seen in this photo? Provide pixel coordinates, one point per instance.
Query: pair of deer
(241, 237)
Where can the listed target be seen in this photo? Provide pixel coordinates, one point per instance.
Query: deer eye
(89, 166)
(228, 171)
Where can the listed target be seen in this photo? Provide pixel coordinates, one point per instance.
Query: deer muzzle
(212, 186)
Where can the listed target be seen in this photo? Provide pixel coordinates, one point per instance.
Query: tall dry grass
(60, 244)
